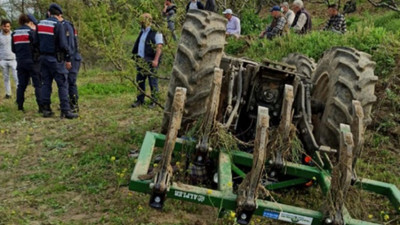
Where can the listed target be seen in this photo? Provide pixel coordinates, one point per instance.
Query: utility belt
(60, 56)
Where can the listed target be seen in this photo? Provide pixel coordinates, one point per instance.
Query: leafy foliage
(377, 41)
(251, 23)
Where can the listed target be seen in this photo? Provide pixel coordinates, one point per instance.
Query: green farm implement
(235, 131)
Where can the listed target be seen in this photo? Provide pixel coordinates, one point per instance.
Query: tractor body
(263, 107)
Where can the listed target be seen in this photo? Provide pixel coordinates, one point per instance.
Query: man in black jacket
(27, 59)
(169, 11)
(194, 4)
(210, 6)
(147, 51)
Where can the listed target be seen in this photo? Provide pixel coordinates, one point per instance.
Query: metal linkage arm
(248, 189)
(341, 179)
(163, 176)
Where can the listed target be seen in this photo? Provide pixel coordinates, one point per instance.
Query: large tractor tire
(342, 75)
(199, 51)
(304, 65)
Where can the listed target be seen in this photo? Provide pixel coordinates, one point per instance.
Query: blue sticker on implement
(272, 215)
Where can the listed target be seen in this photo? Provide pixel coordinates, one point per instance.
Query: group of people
(40, 52)
(284, 19)
(48, 50)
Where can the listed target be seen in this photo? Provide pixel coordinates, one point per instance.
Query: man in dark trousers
(147, 53)
(194, 4)
(55, 61)
(169, 11)
(27, 59)
(211, 6)
(72, 38)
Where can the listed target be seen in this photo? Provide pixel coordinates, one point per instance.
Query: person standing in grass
(7, 57)
(72, 38)
(169, 11)
(55, 61)
(27, 59)
(302, 23)
(233, 26)
(289, 14)
(278, 25)
(336, 22)
(194, 4)
(211, 6)
(147, 53)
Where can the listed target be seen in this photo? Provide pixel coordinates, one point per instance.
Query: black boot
(21, 108)
(40, 111)
(73, 102)
(47, 112)
(69, 115)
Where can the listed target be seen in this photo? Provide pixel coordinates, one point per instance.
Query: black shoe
(136, 104)
(74, 108)
(152, 105)
(68, 115)
(47, 112)
(21, 108)
(7, 97)
(40, 111)
(73, 102)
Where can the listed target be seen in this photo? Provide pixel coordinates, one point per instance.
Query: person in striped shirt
(336, 22)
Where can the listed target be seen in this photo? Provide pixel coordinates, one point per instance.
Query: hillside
(55, 171)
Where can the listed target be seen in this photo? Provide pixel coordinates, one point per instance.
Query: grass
(55, 171)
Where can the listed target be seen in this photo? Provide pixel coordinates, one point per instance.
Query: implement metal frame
(224, 197)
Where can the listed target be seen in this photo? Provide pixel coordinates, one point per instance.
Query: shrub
(251, 23)
(377, 41)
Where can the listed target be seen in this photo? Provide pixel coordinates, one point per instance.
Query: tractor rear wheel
(199, 53)
(342, 75)
(304, 65)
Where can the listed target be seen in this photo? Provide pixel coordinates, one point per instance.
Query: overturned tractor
(261, 109)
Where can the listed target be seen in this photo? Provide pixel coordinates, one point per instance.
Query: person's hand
(154, 63)
(68, 65)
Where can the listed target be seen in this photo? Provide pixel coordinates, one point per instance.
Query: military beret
(32, 18)
(56, 7)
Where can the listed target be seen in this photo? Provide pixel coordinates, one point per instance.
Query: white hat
(228, 11)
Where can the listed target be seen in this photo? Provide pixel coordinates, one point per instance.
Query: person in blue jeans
(147, 52)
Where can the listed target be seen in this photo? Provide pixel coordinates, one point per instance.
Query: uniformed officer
(55, 61)
(72, 38)
(27, 59)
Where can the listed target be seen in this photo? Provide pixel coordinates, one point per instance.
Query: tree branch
(385, 5)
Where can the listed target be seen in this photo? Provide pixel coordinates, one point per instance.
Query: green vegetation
(56, 171)
(379, 40)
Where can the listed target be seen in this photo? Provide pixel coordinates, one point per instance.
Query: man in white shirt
(147, 52)
(302, 21)
(289, 14)
(233, 26)
(7, 57)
